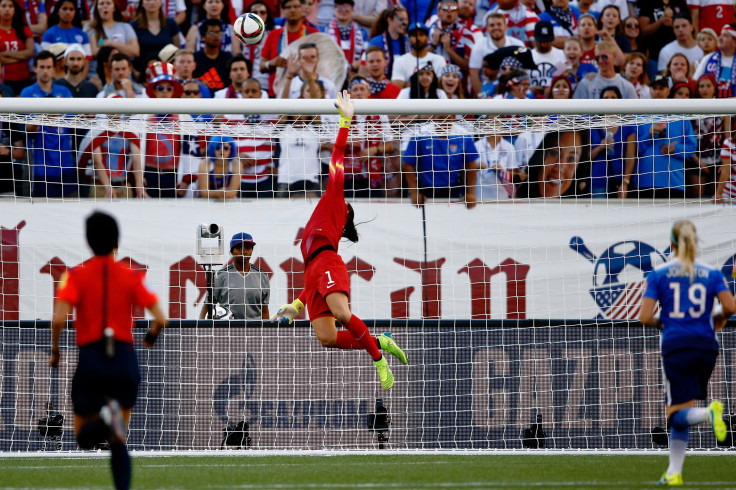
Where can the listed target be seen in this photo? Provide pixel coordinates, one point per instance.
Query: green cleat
(715, 417)
(672, 481)
(387, 343)
(384, 373)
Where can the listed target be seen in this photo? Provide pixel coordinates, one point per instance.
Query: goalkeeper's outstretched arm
(336, 180)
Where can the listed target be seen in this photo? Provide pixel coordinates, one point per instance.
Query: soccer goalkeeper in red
(327, 284)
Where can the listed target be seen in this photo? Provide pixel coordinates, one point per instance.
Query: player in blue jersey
(686, 290)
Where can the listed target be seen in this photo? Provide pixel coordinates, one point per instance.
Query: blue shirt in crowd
(36, 91)
(73, 35)
(608, 164)
(438, 161)
(656, 169)
(51, 147)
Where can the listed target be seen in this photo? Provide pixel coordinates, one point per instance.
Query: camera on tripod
(534, 437)
(379, 422)
(51, 427)
(237, 436)
(210, 248)
(210, 243)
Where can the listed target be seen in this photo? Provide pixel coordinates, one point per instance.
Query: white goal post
(517, 311)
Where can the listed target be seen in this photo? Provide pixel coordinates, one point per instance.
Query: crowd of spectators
(418, 49)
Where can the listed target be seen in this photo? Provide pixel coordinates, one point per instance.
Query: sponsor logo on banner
(619, 275)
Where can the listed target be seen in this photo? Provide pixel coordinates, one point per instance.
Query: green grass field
(368, 472)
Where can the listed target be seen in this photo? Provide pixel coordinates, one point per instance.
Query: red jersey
(329, 217)
(713, 13)
(163, 149)
(10, 42)
(276, 42)
(83, 288)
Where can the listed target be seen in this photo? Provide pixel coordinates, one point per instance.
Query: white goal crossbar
(366, 107)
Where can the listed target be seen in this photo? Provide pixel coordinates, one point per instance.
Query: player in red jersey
(105, 384)
(327, 284)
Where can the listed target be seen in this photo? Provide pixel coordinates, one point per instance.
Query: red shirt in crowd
(10, 42)
(390, 92)
(83, 288)
(713, 13)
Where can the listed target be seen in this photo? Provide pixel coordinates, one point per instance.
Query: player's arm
(726, 310)
(336, 180)
(647, 316)
(159, 322)
(146, 298)
(649, 303)
(61, 313)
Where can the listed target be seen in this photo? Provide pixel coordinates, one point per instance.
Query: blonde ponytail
(685, 239)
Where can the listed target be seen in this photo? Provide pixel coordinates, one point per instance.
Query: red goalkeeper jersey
(329, 217)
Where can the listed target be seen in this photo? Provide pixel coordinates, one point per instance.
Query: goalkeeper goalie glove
(286, 314)
(345, 107)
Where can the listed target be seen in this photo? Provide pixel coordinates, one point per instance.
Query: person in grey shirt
(242, 287)
(591, 87)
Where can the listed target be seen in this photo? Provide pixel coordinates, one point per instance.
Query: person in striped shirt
(520, 20)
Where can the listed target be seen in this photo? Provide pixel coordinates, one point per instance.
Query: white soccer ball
(249, 28)
(219, 312)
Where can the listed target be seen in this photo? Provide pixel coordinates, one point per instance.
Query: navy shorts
(98, 377)
(687, 372)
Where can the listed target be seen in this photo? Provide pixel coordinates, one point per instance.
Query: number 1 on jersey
(330, 282)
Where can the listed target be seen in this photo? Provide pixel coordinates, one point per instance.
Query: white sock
(677, 456)
(696, 416)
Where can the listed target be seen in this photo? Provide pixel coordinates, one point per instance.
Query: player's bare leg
(325, 330)
(355, 337)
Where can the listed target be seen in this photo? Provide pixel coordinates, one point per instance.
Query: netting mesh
(477, 285)
(237, 124)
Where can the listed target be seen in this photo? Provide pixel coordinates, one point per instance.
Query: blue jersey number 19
(697, 297)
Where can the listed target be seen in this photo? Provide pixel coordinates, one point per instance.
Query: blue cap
(239, 238)
(417, 26)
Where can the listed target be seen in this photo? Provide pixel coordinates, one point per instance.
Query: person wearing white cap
(57, 49)
(74, 80)
(720, 63)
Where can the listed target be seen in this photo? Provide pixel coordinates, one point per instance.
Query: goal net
(506, 252)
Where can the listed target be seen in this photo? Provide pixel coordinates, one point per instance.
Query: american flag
(506, 178)
(620, 301)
